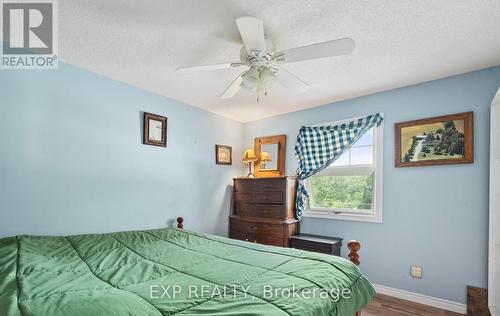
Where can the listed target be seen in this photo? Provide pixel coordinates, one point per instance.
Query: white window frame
(375, 214)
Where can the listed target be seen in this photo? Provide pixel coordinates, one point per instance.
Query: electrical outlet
(416, 271)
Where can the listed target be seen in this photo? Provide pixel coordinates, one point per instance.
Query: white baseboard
(422, 299)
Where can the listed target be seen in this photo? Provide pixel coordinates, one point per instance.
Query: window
(351, 188)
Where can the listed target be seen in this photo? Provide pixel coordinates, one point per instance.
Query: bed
(172, 271)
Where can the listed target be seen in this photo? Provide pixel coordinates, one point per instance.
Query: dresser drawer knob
(246, 239)
(255, 241)
(254, 227)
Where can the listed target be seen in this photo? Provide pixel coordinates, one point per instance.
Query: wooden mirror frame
(280, 140)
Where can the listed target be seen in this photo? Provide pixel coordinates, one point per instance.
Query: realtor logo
(29, 31)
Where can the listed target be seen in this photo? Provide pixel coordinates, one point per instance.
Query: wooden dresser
(264, 210)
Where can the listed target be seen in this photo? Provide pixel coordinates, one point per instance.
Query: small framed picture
(223, 155)
(155, 130)
(441, 140)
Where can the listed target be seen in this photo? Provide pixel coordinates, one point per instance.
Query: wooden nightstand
(314, 243)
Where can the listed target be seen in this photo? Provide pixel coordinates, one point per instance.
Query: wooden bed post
(180, 222)
(354, 246)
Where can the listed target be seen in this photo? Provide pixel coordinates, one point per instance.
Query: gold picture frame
(441, 140)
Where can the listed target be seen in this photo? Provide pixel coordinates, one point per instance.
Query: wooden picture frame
(280, 141)
(155, 130)
(223, 155)
(441, 140)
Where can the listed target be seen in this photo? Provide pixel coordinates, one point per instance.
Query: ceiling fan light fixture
(250, 79)
(245, 87)
(267, 78)
(260, 57)
(261, 60)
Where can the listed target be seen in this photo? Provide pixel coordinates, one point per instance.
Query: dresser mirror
(271, 154)
(269, 157)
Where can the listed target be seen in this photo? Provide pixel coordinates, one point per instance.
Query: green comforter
(171, 271)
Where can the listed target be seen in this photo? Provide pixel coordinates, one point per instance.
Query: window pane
(343, 160)
(362, 155)
(366, 139)
(342, 192)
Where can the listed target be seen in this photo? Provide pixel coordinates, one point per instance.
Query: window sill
(344, 217)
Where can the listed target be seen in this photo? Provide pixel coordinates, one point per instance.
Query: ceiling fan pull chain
(258, 88)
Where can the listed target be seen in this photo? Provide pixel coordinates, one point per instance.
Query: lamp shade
(267, 78)
(249, 155)
(265, 157)
(250, 79)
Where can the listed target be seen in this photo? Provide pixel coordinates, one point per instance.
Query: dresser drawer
(264, 197)
(263, 233)
(262, 184)
(260, 210)
(265, 240)
(257, 228)
(234, 234)
(269, 240)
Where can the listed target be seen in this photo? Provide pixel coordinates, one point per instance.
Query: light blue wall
(72, 159)
(435, 216)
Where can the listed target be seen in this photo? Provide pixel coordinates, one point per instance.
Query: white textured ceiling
(398, 43)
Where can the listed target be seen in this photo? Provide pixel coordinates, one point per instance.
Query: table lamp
(265, 158)
(248, 158)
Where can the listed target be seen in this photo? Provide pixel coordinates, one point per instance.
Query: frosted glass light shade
(267, 78)
(250, 79)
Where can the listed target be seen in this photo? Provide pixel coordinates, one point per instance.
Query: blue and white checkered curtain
(318, 147)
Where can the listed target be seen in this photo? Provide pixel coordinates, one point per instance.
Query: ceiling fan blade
(233, 87)
(252, 32)
(337, 47)
(209, 67)
(291, 81)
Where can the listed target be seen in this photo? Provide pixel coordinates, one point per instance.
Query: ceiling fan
(261, 63)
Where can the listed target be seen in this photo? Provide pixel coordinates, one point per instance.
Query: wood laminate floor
(383, 305)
